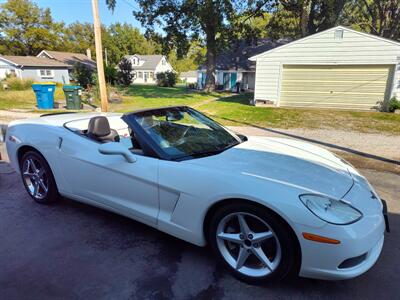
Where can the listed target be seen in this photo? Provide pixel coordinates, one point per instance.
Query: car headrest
(99, 126)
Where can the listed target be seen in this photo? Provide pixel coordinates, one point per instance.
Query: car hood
(290, 162)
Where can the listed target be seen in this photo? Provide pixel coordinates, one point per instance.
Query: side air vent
(338, 34)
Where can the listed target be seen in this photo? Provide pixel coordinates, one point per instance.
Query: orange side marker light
(319, 239)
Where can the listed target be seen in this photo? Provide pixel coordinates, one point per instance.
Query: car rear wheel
(38, 178)
(252, 242)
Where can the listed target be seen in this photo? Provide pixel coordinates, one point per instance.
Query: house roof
(69, 58)
(32, 61)
(268, 51)
(150, 61)
(192, 73)
(237, 57)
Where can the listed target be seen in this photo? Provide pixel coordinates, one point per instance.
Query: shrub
(83, 75)
(125, 72)
(166, 79)
(17, 84)
(393, 104)
(111, 74)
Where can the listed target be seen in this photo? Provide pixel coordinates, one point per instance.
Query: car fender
(44, 139)
(198, 189)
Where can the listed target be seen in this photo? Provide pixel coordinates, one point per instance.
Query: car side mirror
(114, 148)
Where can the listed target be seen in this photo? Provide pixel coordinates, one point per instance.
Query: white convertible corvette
(266, 206)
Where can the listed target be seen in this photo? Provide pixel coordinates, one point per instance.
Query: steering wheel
(181, 140)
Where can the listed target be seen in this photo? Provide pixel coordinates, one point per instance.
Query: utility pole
(99, 56)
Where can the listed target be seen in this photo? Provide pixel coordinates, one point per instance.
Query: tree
(314, 15)
(111, 74)
(83, 75)
(212, 19)
(122, 39)
(379, 17)
(125, 72)
(191, 61)
(78, 37)
(166, 79)
(28, 29)
(283, 24)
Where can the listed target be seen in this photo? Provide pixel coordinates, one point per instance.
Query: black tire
(290, 255)
(47, 177)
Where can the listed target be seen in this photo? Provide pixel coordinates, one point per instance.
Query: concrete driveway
(74, 251)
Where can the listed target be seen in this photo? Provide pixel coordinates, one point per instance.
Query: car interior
(103, 129)
(99, 130)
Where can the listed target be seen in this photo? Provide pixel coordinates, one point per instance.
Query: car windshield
(184, 133)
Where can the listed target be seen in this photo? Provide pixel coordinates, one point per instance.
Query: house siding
(5, 69)
(353, 49)
(158, 69)
(141, 80)
(60, 75)
(163, 68)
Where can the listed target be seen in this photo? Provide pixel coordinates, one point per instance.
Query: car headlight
(331, 210)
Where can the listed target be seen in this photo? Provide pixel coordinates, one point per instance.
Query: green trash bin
(73, 96)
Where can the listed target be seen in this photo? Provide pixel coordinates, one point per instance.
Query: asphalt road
(74, 251)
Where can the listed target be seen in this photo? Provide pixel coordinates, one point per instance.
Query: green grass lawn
(231, 110)
(236, 111)
(145, 96)
(23, 99)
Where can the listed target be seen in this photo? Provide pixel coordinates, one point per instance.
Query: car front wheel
(38, 178)
(252, 242)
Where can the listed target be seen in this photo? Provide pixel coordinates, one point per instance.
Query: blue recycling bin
(44, 92)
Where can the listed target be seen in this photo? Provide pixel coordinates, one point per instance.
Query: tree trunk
(304, 17)
(210, 58)
(311, 26)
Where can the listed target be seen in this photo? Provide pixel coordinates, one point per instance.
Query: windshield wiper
(200, 154)
(208, 153)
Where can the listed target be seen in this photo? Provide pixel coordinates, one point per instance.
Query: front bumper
(360, 247)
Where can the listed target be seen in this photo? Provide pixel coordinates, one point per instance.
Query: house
(233, 66)
(189, 76)
(336, 68)
(35, 68)
(70, 58)
(147, 66)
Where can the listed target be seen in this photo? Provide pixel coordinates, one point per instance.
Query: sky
(70, 11)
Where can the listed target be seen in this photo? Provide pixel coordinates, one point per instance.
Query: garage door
(358, 87)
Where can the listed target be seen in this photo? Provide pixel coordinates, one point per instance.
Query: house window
(46, 73)
(151, 75)
(140, 74)
(164, 62)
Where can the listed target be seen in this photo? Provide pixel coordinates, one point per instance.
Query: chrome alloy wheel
(35, 178)
(248, 244)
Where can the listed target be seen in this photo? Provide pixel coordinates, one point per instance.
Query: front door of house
(233, 80)
(226, 81)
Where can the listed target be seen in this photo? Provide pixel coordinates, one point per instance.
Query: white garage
(337, 68)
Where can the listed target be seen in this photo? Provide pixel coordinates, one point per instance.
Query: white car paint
(175, 196)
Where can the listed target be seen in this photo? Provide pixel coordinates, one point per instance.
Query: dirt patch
(360, 162)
